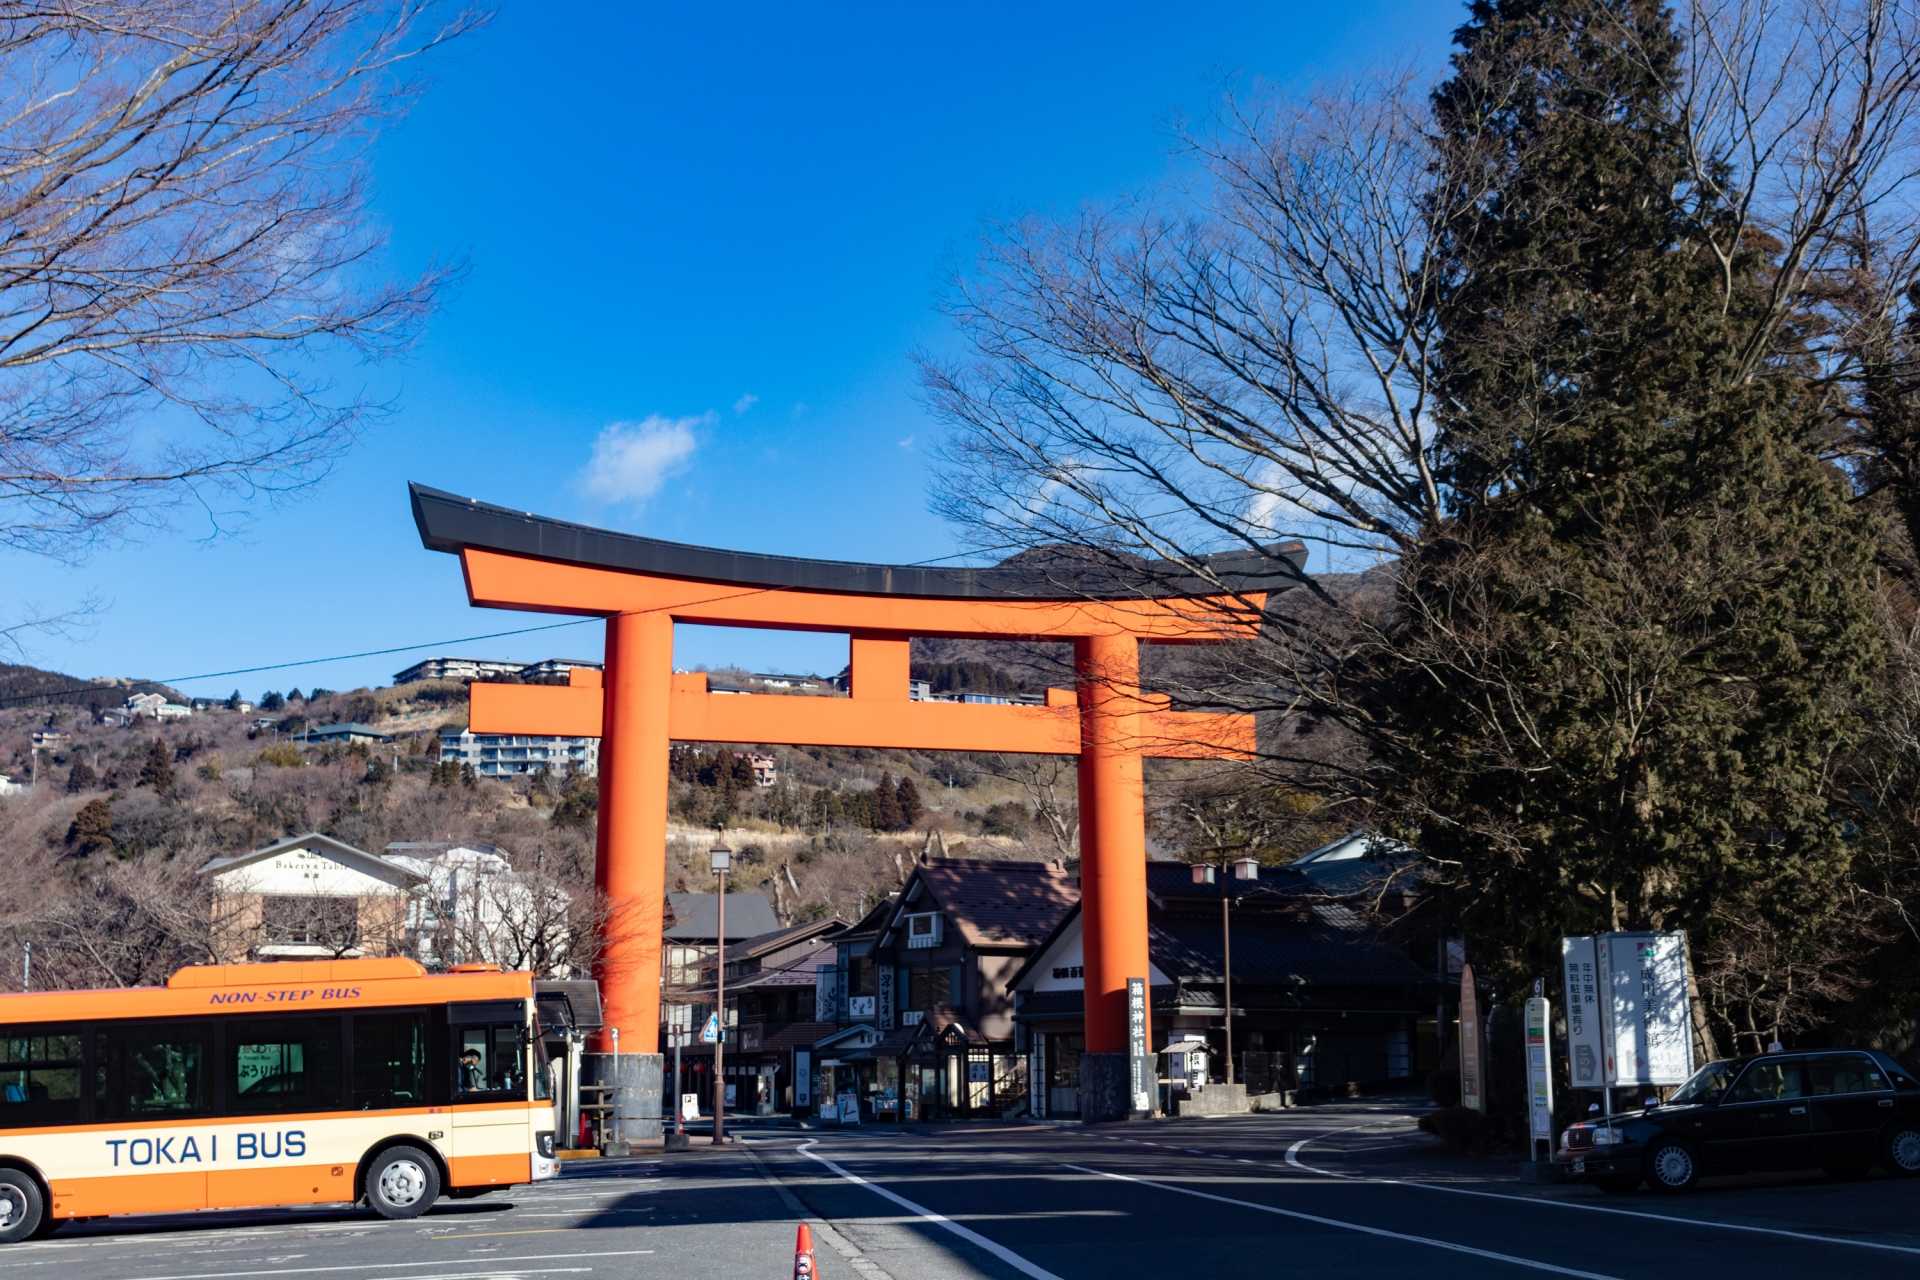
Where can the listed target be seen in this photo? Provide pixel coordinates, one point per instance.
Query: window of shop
(929, 988)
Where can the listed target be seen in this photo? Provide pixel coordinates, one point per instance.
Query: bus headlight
(543, 1143)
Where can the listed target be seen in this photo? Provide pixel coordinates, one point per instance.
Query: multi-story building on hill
(445, 668)
(512, 755)
(545, 671)
(554, 670)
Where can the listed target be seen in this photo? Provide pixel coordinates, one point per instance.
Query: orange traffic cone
(804, 1267)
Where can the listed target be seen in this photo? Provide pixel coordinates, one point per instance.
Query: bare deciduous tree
(186, 238)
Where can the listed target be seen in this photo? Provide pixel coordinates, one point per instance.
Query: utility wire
(108, 687)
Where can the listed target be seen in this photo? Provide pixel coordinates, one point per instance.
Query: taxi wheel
(1903, 1150)
(402, 1182)
(1672, 1167)
(22, 1207)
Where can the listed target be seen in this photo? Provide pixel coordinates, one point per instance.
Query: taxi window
(1844, 1073)
(1768, 1082)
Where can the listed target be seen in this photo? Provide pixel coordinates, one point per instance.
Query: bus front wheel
(402, 1182)
(22, 1207)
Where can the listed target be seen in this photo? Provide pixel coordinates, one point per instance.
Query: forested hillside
(101, 851)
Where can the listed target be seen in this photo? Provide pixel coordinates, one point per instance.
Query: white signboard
(1586, 1037)
(690, 1106)
(802, 1078)
(1472, 1089)
(849, 1108)
(1540, 1069)
(859, 1006)
(1645, 1018)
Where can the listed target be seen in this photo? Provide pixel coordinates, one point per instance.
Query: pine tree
(81, 777)
(156, 770)
(91, 831)
(233, 701)
(1650, 610)
(907, 800)
(272, 701)
(885, 812)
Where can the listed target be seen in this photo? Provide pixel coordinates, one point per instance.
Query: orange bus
(345, 1081)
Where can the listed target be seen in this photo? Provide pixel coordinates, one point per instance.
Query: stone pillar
(632, 845)
(639, 1081)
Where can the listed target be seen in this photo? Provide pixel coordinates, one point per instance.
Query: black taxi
(1842, 1110)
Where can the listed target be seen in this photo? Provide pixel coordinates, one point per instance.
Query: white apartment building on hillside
(512, 755)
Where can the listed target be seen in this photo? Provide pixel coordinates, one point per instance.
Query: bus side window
(40, 1076)
(283, 1064)
(488, 1050)
(389, 1060)
(162, 1071)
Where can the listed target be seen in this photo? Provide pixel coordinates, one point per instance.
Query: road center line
(1293, 1159)
(925, 1214)
(1339, 1224)
(493, 1263)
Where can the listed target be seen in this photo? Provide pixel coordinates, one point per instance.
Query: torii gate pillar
(631, 842)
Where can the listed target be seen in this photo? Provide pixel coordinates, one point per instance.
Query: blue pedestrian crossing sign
(710, 1034)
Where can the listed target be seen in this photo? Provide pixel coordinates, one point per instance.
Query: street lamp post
(722, 861)
(1206, 873)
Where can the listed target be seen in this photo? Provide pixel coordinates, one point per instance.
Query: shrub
(281, 755)
(1461, 1128)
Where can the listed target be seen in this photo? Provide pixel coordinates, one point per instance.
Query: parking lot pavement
(1349, 1191)
(704, 1216)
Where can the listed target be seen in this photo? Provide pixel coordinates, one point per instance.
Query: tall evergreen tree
(81, 777)
(906, 799)
(1637, 637)
(156, 770)
(885, 812)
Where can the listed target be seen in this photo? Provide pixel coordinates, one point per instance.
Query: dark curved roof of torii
(448, 522)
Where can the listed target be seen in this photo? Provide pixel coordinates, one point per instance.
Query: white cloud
(906, 442)
(631, 460)
(745, 402)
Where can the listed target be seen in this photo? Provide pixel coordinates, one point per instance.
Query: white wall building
(444, 668)
(312, 896)
(476, 909)
(511, 755)
(309, 897)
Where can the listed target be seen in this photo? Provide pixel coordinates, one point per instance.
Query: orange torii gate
(643, 586)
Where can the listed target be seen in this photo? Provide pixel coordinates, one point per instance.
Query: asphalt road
(1362, 1195)
(706, 1216)
(1347, 1192)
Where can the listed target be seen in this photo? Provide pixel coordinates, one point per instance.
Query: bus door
(492, 1135)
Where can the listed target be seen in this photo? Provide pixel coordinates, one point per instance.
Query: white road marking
(1293, 1159)
(1339, 1224)
(925, 1214)
(398, 1266)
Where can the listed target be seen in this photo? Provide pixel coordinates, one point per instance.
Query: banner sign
(1640, 1026)
(1540, 1068)
(1472, 1092)
(1586, 1035)
(1142, 1086)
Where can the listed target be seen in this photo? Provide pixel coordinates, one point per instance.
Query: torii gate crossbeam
(643, 587)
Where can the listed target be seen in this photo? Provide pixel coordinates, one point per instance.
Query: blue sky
(726, 227)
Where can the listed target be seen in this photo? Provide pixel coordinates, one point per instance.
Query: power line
(107, 687)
